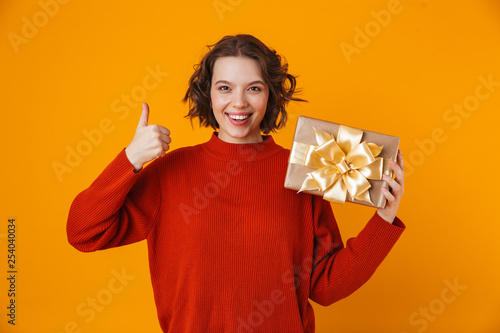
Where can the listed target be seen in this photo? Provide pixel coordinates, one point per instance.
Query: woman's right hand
(149, 142)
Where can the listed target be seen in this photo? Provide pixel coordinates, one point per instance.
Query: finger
(400, 160)
(165, 138)
(160, 129)
(397, 171)
(164, 143)
(164, 130)
(165, 147)
(395, 186)
(388, 195)
(161, 150)
(143, 122)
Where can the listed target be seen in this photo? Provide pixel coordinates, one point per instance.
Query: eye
(256, 88)
(221, 88)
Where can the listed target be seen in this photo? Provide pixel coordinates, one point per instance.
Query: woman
(230, 249)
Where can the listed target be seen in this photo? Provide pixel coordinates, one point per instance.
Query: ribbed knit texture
(230, 249)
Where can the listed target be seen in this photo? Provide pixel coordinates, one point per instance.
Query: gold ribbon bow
(342, 165)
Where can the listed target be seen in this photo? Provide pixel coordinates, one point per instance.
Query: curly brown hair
(273, 72)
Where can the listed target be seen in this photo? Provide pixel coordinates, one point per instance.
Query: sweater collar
(241, 151)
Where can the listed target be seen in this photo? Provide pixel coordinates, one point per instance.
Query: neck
(244, 152)
(257, 137)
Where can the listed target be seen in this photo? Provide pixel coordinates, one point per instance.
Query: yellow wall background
(66, 65)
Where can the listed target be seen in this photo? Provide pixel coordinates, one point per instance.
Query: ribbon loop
(360, 156)
(348, 138)
(330, 151)
(343, 167)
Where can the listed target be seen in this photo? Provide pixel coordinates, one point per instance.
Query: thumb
(143, 122)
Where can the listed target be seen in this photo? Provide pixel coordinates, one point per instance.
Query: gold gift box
(375, 146)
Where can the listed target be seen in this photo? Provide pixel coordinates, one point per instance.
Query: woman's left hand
(396, 185)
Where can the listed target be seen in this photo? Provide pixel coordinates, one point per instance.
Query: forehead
(236, 69)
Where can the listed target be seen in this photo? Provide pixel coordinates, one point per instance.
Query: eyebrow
(253, 82)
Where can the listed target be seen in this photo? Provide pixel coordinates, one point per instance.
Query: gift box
(339, 162)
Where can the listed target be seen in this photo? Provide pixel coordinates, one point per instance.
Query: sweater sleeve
(338, 271)
(118, 208)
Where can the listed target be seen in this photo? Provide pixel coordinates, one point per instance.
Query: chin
(238, 135)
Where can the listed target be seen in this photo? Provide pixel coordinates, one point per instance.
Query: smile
(239, 117)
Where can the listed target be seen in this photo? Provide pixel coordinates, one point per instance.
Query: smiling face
(239, 99)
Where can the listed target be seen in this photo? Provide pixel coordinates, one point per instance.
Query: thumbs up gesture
(149, 142)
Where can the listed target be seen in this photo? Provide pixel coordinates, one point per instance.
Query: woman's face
(239, 99)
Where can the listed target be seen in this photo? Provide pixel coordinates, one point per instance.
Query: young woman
(230, 249)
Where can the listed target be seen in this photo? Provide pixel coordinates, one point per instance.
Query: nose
(239, 99)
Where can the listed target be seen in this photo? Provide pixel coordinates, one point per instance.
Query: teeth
(238, 117)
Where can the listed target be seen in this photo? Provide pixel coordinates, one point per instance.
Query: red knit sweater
(230, 249)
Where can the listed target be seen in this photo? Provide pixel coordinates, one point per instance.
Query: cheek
(218, 102)
(261, 104)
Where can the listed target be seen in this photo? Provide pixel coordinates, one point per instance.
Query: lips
(238, 119)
